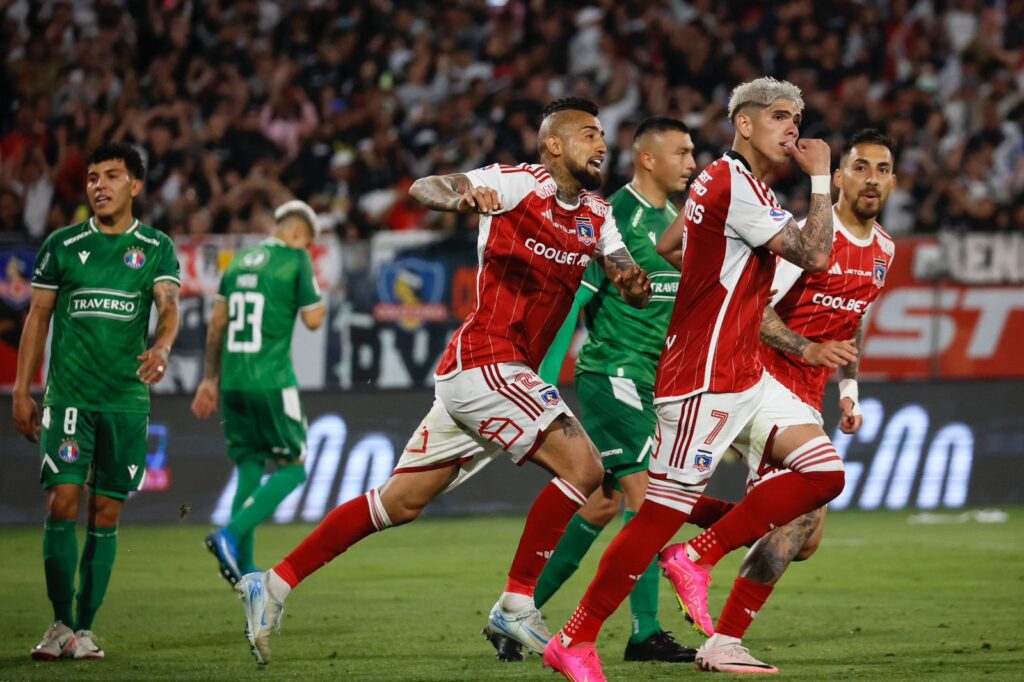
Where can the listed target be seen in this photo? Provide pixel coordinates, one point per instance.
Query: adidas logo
(546, 554)
(836, 269)
(84, 256)
(752, 614)
(547, 214)
(635, 578)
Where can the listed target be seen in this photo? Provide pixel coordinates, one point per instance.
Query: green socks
(643, 600)
(60, 554)
(95, 568)
(579, 536)
(249, 476)
(254, 509)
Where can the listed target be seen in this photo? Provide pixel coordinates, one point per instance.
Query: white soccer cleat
(85, 647)
(731, 657)
(58, 641)
(262, 614)
(526, 627)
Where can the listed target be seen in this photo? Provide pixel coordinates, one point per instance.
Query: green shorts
(107, 450)
(262, 425)
(618, 415)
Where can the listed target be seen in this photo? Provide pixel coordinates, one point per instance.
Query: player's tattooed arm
(778, 335)
(454, 193)
(849, 370)
(208, 392)
(811, 246)
(630, 279)
(154, 360)
(772, 554)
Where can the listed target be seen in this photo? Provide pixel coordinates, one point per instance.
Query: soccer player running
(248, 357)
(814, 326)
(540, 227)
(615, 375)
(98, 281)
(711, 387)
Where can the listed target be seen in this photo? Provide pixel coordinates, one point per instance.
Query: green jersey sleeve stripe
(170, 277)
(40, 285)
(589, 285)
(312, 306)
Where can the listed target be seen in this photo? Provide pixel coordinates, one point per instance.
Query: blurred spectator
(342, 101)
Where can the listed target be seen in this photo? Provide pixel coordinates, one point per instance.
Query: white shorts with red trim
(752, 448)
(480, 413)
(694, 433)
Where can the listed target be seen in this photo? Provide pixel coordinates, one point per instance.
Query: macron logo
(132, 468)
(84, 255)
(835, 269)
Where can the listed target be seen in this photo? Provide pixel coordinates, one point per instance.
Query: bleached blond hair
(762, 93)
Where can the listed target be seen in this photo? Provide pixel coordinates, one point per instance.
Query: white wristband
(821, 184)
(848, 389)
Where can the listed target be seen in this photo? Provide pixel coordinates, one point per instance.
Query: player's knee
(62, 505)
(589, 476)
(808, 549)
(403, 511)
(294, 474)
(833, 483)
(602, 513)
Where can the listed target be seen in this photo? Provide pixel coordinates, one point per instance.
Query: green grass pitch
(883, 600)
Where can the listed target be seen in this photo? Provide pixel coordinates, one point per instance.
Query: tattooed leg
(768, 559)
(568, 453)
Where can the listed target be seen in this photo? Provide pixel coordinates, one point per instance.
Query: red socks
(624, 562)
(545, 524)
(342, 528)
(745, 601)
(708, 510)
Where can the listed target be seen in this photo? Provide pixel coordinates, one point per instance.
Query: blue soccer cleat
(526, 627)
(222, 544)
(262, 614)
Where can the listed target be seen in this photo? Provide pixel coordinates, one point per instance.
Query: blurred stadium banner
(951, 307)
(924, 445)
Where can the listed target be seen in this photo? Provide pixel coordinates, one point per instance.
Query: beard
(587, 180)
(865, 213)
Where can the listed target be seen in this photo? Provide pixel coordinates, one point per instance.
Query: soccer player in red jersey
(540, 227)
(712, 388)
(814, 326)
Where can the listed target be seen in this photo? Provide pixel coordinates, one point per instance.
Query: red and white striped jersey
(532, 255)
(713, 341)
(827, 306)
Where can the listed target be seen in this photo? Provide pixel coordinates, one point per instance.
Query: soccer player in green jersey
(615, 375)
(249, 364)
(98, 281)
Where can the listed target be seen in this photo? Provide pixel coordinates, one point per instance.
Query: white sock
(720, 640)
(277, 588)
(513, 601)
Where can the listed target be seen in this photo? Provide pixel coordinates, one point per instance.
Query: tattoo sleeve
(440, 192)
(618, 260)
(165, 296)
(809, 247)
(776, 334)
(849, 371)
(215, 342)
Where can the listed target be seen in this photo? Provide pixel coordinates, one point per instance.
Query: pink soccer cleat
(579, 663)
(690, 583)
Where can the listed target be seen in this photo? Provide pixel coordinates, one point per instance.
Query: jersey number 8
(245, 321)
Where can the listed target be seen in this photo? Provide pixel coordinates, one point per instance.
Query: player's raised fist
(479, 200)
(812, 155)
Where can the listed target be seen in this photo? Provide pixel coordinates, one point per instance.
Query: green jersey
(104, 284)
(623, 341)
(264, 287)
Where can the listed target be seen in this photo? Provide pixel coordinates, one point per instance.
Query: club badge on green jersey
(134, 258)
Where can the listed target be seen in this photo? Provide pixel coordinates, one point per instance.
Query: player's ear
(837, 178)
(744, 125)
(553, 144)
(136, 187)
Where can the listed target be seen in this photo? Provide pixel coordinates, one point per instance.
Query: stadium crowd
(345, 102)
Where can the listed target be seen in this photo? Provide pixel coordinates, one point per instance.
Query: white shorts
(694, 433)
(480, 413)
(752, 449)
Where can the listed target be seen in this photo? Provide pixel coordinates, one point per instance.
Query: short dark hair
(110, 151)
(868, 136)
(570, 104)
(659, 124)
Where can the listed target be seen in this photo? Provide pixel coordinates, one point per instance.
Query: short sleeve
(222, 288)
(512, 183)
(786, 275)
(167, 270)
(611, 239)
(308, 291)
(46, 274)
(753, 217)
(594, 277)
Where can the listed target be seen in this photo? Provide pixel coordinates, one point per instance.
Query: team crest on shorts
(702, 462)
(68, 451)
(550, 397)
(878, 273)
(135, 258)
(585, 230)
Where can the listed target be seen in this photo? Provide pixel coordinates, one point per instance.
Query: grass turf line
(882, 600)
